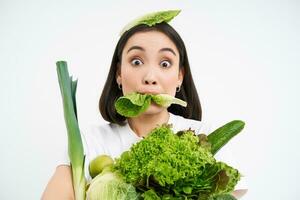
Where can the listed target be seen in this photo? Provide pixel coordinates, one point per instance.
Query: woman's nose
(149, 79)
(149, 82)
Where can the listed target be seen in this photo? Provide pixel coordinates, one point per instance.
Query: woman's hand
(239, 193)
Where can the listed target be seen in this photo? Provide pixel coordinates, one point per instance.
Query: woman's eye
(136, 62)
(165, 64)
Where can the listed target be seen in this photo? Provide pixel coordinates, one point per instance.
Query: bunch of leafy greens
(163, 166)
(166, 165)
(133, 104)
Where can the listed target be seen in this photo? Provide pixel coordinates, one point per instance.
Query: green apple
(99, 163)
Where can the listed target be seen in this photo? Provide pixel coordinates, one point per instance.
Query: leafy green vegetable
(176, 165)
(166, 100)
(152, 19)
(75, 147)
(109, 186)
(223, 197)
(150, 195)
(133, 104)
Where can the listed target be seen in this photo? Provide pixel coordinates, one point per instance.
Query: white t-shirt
(113, 139)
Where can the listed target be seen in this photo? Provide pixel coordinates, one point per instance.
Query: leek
(75, 147)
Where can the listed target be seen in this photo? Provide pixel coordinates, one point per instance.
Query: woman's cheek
(169, 85)
(130, 81)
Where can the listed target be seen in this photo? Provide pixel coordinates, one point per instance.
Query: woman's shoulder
(101, 130)
(99, 136)
(102, 138)
(180, 123)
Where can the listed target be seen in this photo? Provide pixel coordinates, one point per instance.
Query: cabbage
(109, 186)
(151, 19)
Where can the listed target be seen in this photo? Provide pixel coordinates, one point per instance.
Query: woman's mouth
(149, 92)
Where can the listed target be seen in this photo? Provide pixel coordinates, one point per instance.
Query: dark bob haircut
(188, 91)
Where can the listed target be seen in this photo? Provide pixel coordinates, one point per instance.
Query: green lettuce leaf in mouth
(133, 104)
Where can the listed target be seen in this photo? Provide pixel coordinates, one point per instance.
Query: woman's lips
(149, 92)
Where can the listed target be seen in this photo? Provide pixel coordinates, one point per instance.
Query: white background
(244, 57)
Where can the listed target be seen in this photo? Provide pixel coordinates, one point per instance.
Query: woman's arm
(239, 193)
(60, 185)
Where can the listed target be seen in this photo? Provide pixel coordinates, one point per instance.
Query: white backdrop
(244, 56)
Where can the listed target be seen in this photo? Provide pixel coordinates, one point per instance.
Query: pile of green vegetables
(163, 166)
(167, 165)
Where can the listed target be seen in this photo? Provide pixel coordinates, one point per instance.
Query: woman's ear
(180, 75)
(118, 74)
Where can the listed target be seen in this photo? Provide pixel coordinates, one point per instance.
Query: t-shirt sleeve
(93, 143)
(88, 148)
(63, 158)
(61, 153)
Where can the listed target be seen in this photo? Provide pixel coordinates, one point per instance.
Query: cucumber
(222, 135)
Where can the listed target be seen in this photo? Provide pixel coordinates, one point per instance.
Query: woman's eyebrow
(135, 47)
(168, 49)
(142, 49)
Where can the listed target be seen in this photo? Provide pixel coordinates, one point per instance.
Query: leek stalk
(75, 146)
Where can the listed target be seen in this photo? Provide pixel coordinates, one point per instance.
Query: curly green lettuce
(177, 165)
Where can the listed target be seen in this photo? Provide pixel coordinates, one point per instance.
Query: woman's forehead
(150, 40)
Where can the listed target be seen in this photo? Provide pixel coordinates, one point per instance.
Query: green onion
(75, 147)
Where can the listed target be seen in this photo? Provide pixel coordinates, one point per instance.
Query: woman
(148, 60)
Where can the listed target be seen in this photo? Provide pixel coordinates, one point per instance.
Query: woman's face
(150, 65)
